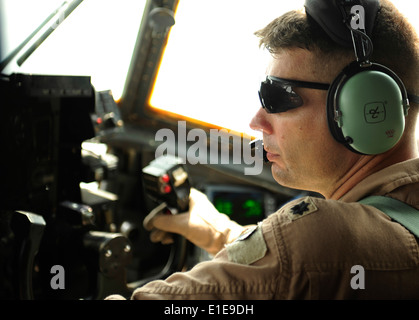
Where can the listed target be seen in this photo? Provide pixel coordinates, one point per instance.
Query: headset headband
(328, 14)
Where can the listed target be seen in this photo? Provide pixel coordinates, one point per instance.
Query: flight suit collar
(385, 181)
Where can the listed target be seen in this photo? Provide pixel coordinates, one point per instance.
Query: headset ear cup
(332, 112)
(366, 108)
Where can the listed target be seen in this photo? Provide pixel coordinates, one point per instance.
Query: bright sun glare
(211, 68)
(212, 65)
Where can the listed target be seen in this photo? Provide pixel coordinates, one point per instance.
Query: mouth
(270, 156)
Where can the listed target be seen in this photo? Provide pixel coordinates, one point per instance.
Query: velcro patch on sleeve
(303, 208)
(248, 248)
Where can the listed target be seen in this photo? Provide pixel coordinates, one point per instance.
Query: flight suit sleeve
(246, 269)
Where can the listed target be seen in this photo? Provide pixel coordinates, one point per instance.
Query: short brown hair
(396, 43)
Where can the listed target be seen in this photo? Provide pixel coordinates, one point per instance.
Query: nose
(260, 122)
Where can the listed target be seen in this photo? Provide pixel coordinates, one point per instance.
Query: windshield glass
(212, 66)
(97, 39)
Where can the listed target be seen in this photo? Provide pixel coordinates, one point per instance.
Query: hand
(202, 225)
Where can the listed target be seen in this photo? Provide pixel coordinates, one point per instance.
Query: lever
(28, 229)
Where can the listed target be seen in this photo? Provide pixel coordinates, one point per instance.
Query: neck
(367, 165)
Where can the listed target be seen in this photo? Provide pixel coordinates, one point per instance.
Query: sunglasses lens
(277, 98)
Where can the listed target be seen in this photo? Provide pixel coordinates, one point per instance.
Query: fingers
(148, 220)
(177, 223)
(161, 236)
(161, 225)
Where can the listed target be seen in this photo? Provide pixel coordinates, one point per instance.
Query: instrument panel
(243, 204)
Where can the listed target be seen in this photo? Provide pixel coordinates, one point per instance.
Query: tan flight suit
(314, 249)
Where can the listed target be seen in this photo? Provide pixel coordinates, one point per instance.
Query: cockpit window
(212, 65)
(211, 68)
(97, 39)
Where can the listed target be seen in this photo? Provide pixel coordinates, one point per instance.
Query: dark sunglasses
(277, 94)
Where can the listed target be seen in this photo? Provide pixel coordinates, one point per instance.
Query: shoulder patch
(248, 248)
(301, 209)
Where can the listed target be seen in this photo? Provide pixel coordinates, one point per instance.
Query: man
(312, 247)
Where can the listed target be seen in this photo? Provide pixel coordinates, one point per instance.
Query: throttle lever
(162, 208)
(28, 229)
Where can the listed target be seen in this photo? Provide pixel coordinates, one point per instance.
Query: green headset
(367, 102)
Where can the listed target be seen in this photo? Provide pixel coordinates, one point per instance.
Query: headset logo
(375, 112)
(390, 133)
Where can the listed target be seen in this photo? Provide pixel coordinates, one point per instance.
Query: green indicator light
(224, 206)
(253, 208)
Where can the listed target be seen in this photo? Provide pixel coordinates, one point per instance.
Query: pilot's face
(299, 145)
